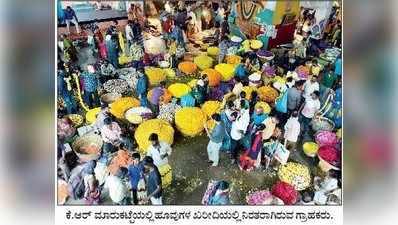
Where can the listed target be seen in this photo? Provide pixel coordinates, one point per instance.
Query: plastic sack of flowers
(267, 94)
(179, 89)
(203, 61)
(285, 192)
(120, 106)
(160, 127)
(263, 197)
(188, 68)
(211, 107)
(213, 75)
(295, 174)
(189, 121)
(226, 71)
(155, 75)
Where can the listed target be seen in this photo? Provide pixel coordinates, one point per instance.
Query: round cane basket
(85, 141)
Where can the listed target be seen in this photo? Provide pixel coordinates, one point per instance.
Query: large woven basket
(84, 141)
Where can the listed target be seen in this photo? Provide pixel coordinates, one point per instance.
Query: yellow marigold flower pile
(203, 61)
(310, 148)
(120, 106)
(155, 75)
(158, 126)
(166, 174)
(213, 51)
(226, 71)
(91, 115)
(189, 121)
(214, 77)
(295, 174)
(255, 44)
(233, 59)
(169, 72)
(189, 68)
(193, 83)
(266, 108)
(211, 107)
(267, 94)
(248, 90)
(179, 89)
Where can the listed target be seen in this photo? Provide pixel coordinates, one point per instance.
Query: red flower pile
(285, 192)
(330, 154)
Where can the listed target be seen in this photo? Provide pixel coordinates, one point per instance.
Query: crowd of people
(256, 138)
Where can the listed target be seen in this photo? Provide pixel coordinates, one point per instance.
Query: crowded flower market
(206, 102)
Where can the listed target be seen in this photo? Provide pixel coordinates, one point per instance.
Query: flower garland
(247, 14)
(79, 95)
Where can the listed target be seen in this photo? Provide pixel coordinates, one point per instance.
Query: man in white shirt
(292, 131)
(308, 110)
(310, 86)
(158, 150)
(129, 34)
(118, 191)
(238, 129)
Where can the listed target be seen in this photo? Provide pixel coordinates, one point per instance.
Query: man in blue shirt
(216, 137)
(70, 16)
(136, 173)
(153, 181)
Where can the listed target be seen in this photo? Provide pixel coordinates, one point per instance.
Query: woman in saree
(251, 158)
